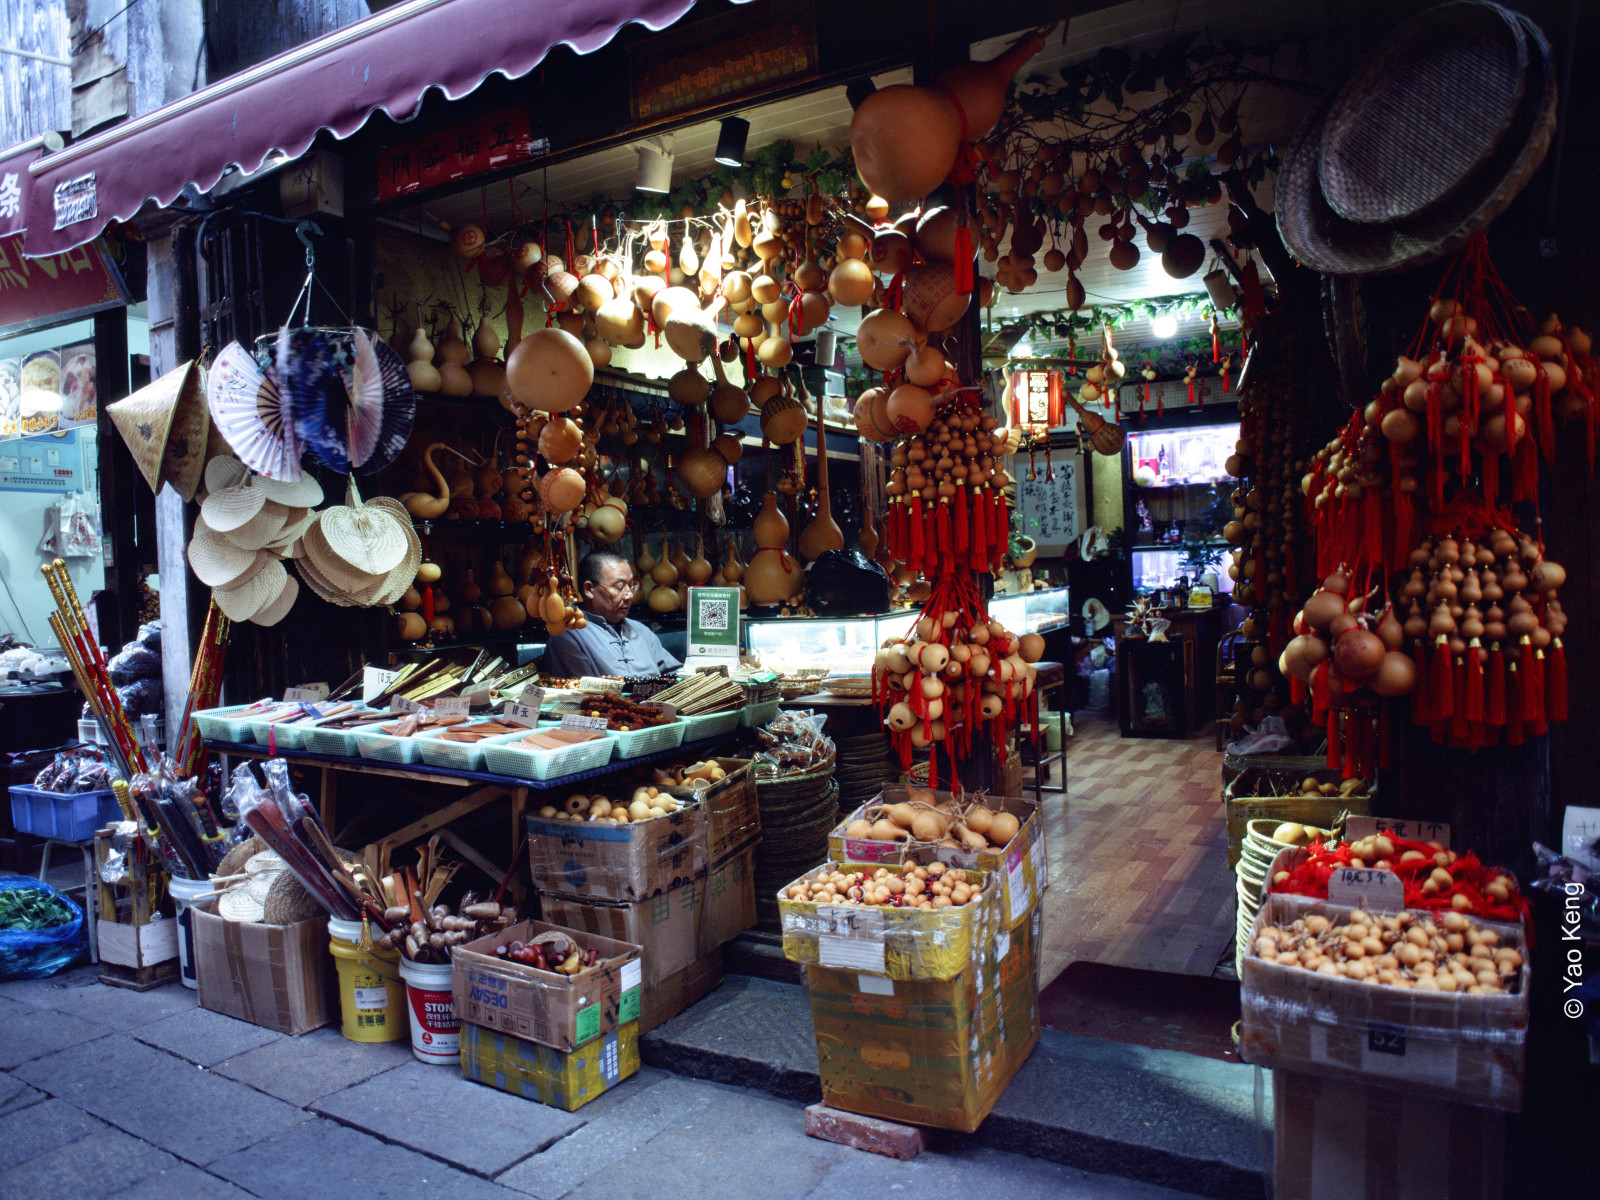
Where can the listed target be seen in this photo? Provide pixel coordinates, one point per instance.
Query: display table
(489, 789)
(1179, 705)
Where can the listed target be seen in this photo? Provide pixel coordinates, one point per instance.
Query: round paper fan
(248, 410)
(315, 393)
(384, 404)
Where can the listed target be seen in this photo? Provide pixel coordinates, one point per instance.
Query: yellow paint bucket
(372, 995)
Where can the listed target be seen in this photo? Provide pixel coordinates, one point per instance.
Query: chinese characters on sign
(32, 289)
(76, 200)
(1036, 400)
(459, 153)
(707, 64)
(10, 195)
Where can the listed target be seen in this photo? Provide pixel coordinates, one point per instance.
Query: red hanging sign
(460, 152)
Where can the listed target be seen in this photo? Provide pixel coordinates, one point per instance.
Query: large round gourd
(885, 339)
(561, 490)
(549, 370)
(702, 473)
(905, 139)
(931, 299)
(772, 577)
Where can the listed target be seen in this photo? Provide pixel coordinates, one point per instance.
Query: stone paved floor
(105, 1092)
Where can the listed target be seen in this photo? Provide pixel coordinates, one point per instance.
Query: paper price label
(532, 696)
(479, 697)
(1356, 828)
(374, 681)
(579, 721)
(632, 974)
(451, 706)
(1367, 887)
(400, 704)
(521, 714)
(310, 694)
(593, 683)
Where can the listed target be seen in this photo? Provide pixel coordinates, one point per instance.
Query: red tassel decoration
(963, 533)
(1555, 683)
(1420, 713)
(1442, 700)
(945, 541)
(964, 255)
(1532, 683)
(930, 538)
(981, 504)
(1335, 748)
(1458, 696)
(1000, 533)
(918, 546)
(1474, 689)
(427, 603)
(1494, 688)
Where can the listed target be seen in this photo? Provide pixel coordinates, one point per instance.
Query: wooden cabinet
(1164, 689)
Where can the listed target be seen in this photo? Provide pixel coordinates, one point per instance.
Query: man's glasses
(629, 588)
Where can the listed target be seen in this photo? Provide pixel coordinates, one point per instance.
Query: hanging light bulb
(1164, 326)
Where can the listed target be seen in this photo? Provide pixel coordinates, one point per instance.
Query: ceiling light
(655, 165)
(730, 143)
(1164, 326)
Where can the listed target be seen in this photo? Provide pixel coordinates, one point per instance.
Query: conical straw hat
(217, 561)
(165, 424)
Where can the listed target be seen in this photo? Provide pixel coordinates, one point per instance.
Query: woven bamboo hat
(1406, 162)
(165, 425)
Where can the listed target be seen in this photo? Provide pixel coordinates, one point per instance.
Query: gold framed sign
(708, 63)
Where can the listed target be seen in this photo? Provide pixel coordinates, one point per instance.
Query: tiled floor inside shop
(1139, 872)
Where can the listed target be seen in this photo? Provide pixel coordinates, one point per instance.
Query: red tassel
(1000, 531)
(1419, 698)
(1494, 688)
(1335, 749)
(930, 539)
(918, 547)
(1458, 700)
(946, 542)
(1319, 692)
(981, 504)
(1442, 701)
(1474, 688)
(1555, 683)
(1532, 683)
(964, 260)
(427, 603)
(963, 534)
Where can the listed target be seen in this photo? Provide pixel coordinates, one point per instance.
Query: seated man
(610, 644)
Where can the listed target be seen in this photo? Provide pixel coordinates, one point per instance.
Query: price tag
(532, 696)
(644, 689)
(310, 694)
(375, 681)
(521, 714)
(400, 704)
(593, 683)
(1356, 828)
(479, 697)
(1367, 887)
(451, 706)
(579, 721)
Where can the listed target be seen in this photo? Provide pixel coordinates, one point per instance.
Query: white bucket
(435, 1028)
(184, 893)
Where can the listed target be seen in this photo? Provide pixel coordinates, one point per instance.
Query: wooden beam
(467, 852)
(438, 819)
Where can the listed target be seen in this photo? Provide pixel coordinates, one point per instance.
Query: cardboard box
(139, 945)
(897, 943)
(563, 1080)
(677, 930)
(936, 1053)
(732, 812)
(562, 1011)
(1448, 1045)
(596, 860)
(276, 976)
(680, 991)
(676, 927)
(1020, 866)
(1336, 1139)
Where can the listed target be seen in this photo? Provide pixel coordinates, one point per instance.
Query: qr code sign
(713, 614)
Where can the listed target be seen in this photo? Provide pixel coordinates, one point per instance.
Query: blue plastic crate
(64, 816)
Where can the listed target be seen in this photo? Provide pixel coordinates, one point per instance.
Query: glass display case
(844, 645)
(1178, 502)
(1032, 612)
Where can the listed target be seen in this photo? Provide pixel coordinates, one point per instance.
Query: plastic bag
(1270, 737)
(142, 698)
(843, 582)
(149, 636)
(37, 953)
(133, 663)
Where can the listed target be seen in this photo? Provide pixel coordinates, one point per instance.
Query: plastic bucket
(435, 1028)
(371, 993)
(184, 893)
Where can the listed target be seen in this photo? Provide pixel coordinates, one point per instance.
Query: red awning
(387, 61)
(15, 187)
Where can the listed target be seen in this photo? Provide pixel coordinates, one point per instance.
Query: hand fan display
(350, 396)
(249, 411)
